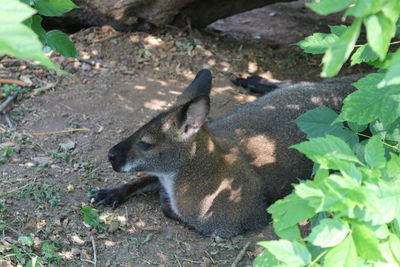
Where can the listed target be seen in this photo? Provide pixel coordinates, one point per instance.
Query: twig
(209, 256)
(17, 189)
(18, 82)
(240, 255)
(57, 132)
(177, 259)
(92, 62)
(13, 230)
(18, 244)
(94, 251)
(8, 100)
(7, 119)
(192, 261)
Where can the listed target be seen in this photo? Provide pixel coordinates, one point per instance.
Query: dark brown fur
(219, 178)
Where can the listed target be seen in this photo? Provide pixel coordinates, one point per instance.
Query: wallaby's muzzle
(117, 155)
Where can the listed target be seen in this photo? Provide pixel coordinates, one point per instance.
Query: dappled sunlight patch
(140, 87)
(151, 41)
(207, 202)
(269, 107)
(76, 239)
(155, 104)
(68, 255)
(140, 223)
(172, 92)
(293, 106)
(245, 98)
(252, 67)
(225, 65)
(210, 145)
(232, 156)
(261, 149)
(211, 62)
(221, 90)
(109, 243)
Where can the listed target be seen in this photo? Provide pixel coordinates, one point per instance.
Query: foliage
(9, 89)
(91, 217)
(21, 33)
(353, 203)
(5, 153)
(23, 253)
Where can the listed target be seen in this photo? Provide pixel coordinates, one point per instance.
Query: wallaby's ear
(193, 116)
(201, 85)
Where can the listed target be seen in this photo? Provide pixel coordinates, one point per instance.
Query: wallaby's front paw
(104, 197)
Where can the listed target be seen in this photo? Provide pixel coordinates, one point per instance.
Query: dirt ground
(45, 183)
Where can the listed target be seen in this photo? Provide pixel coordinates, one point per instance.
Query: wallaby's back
(264, 130)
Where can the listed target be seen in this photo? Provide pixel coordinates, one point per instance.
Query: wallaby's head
(164, 144)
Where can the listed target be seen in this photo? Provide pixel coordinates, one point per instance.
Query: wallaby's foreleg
(118, 195)
(166, 206)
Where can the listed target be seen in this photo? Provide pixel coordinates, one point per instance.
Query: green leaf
(391, 9)
(380, 30)
(325, 7)
(15, 38)
(265, 258)
(345, 189)
(364, 8)
(68, 145)
(394, 244)
(309, 191)
(363, 54)
(287, 212)
(290, 253)
(328, 233)
(385, 250)
(327, 151)
(355, 127)
(349, 170)
(367, 244)
(386, 196)
(344, 254)
(59, 41)
(392, 76)
(375, 153)
(389, 132)
(90, 216)
(37, 28)
(26, 241)
(317, 43)
(385, 64)
(337, 29)
(289, 233)
(53, 7)
(370, 103)
(339, 51)
(318, 122)
(393, 166)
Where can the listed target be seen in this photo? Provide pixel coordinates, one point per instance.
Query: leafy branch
(21, 33)
(353, 202)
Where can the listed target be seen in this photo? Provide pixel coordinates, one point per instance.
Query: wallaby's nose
(112, 155)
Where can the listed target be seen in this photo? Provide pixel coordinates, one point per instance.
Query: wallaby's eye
(144, 146)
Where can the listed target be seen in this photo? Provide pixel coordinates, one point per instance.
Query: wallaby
(220, 177)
